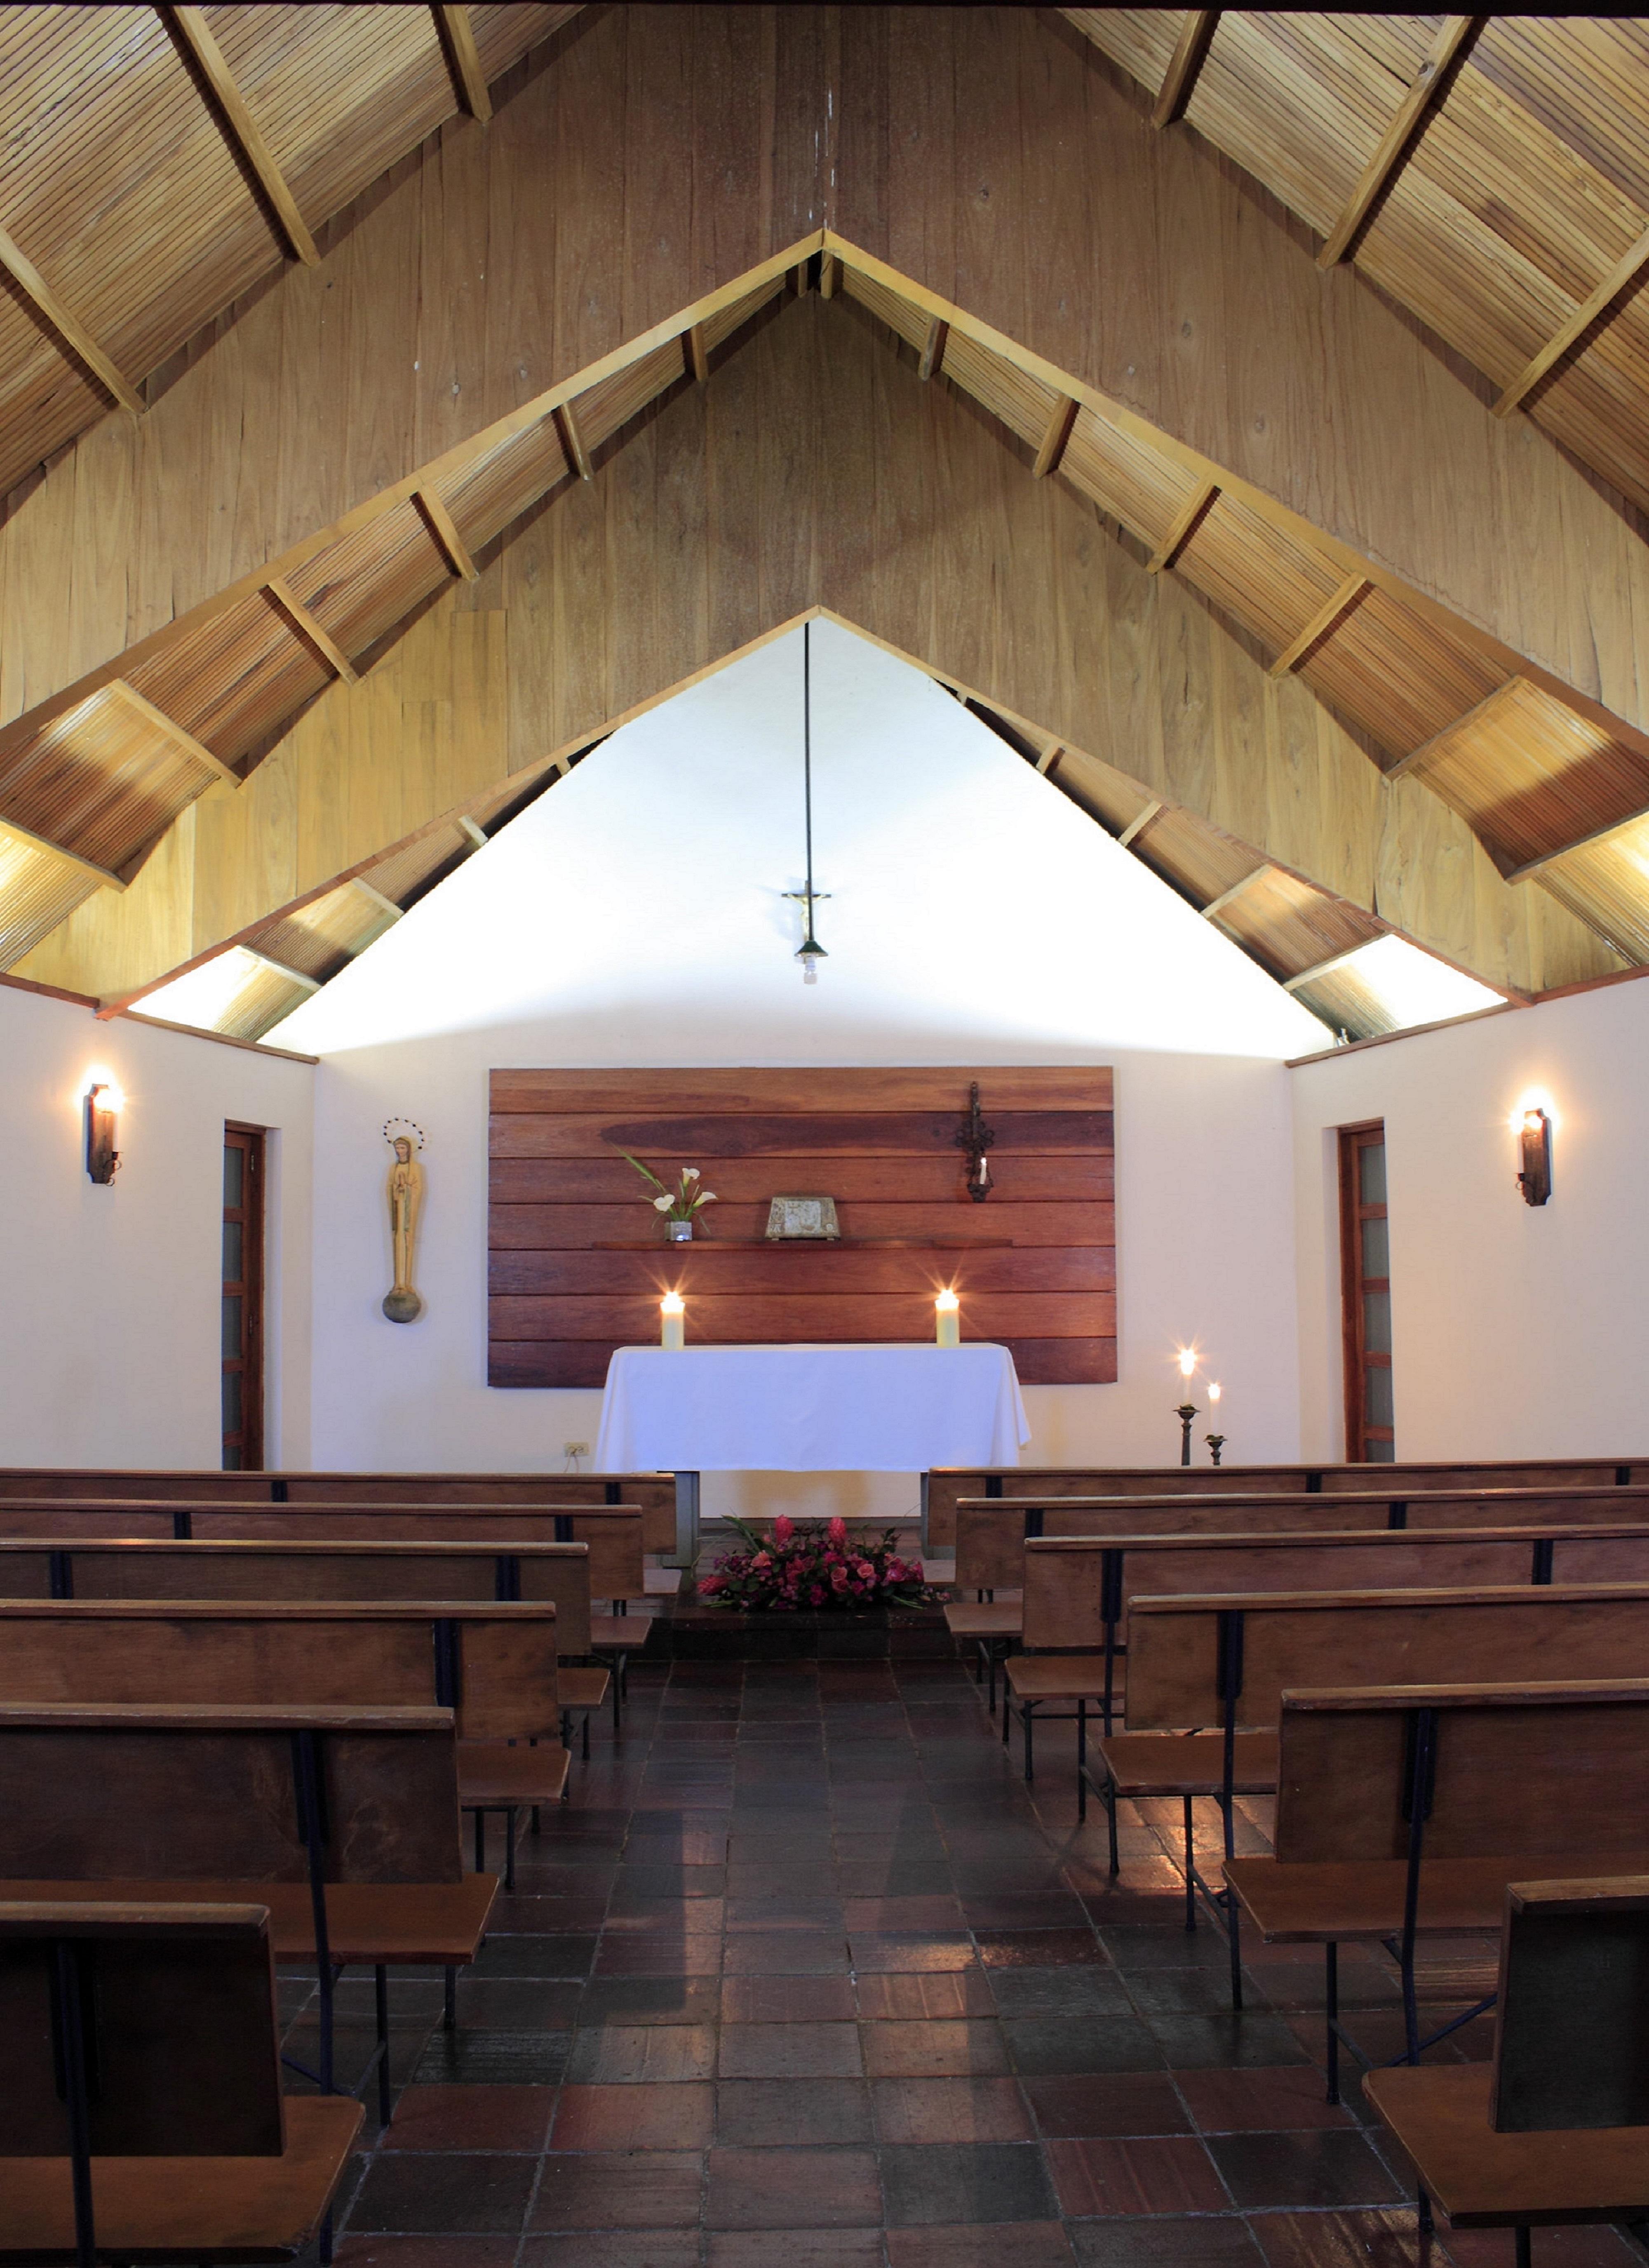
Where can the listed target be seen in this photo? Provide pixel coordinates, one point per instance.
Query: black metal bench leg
(323, 2241)
(480, 1841)
(1331, 2001)
(1233, 1931)
(1423, 2209)
(449, 2001)
(1082, 1760)
(1027, 1708)
(1525, 2249)
(585, 1749)
(509, 1847)
(1190, 1866)
(1107, 1796)
(1007, 1709)
(380, 1993)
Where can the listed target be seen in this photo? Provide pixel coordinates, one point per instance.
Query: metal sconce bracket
(1534, 1146)
(102, 1113)
(973, 1138)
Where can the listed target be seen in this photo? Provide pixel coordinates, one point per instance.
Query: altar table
(898, 1408)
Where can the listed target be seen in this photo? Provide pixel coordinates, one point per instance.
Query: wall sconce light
(974, 1139)
(947, 1319)
(673, 1323)
(1533, 1139)
(104, 1104)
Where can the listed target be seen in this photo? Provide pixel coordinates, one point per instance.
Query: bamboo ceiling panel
(499, 486)
(505, 29)
(1196, 857)
(37, 891)
(317, 939)
(1607, 884)
(1143, 491)
(1290, 927)
(100, 780)
(578, 1261)
(243, 675)
(616, 400)
(1396, 675)
(1530, 775)
(1250, 567)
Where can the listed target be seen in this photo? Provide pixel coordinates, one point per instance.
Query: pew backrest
(185, 1792)
(945, 1487)
(494, 1666)
(1076, 1588)
(1503, 1771)
(1186, 1656)
(1569, 2049)
(654, 1494)
(556, 1574)
(178, 2011)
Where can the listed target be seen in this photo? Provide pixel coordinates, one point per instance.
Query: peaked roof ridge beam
(1394, 144)
(1598, 303)
(69, 334)
(242, 131)
(463, 60)
(1191, 50)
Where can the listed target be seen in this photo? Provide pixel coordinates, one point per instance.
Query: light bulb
(809, 970)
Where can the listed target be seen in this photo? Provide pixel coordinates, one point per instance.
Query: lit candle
(1213, 1391)
(948, 1322)
(673, 1323)
(1188, 1368)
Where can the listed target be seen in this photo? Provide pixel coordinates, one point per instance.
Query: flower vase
(680, 1231)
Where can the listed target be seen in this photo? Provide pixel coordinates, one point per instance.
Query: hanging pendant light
(810, 953)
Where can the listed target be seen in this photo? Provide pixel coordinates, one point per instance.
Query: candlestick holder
(974, 1139)
(1185, 1413)
(1216, 1443)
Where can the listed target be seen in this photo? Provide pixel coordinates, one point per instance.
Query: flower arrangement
(805, 1567)
(678, 1203)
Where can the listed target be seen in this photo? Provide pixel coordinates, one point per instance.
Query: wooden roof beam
(1327, 618)
(242, 131)
(830, 275)
(444, 529)
(1201, 500)
(477, 834)
(1321, 968)
(60, 850)
(1591, 310)
(1215, 907)
(1196, 33)
(385, 905)
(696, 354)
(179, 735)
(934, 347)
(463, 60)
(1392, 145)
(1428, 748)
(278, 967)
(1138, 823)
(1060, 421)
(1049, 757)
(68, 332)
(572, 442)
(314, 632)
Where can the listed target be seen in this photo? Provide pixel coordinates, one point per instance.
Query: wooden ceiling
(1555, 786)
(1489, 172)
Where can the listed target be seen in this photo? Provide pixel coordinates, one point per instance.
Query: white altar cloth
(899, 1409)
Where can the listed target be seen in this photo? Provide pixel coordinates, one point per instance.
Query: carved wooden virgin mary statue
(405, 1192)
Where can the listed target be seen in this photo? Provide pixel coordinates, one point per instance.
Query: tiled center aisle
(802, 1976)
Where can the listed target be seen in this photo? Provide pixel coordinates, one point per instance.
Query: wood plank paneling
(578, 1258)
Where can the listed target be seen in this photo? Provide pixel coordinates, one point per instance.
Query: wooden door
(1366, 1296)
(242, 1297)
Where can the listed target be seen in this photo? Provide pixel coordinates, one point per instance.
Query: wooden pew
(493, 1666)
(944, 1487)
(1078, 1589)
(654, 1494)
(1405, 1811)
(1556, 2129)
(65, 1568)
(1225, 1660)
(343, 1821)
(141, 2110)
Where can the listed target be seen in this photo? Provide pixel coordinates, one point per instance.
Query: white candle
(948, 1322)
(1213, 1391)
(673, 1323)
(1187, 1369)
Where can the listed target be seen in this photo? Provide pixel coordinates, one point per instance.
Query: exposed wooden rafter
(463, 60)
(695, 353)
(572, 442)
(1055, 438)
(1474, 715)
(1049, 757)
(445, 530)
(1138, 823)
(377, 898)
(1190, 48)
(60, 850)
(477, 834)
(241, 130)
(70, 333)
(1215, 907)
(312, 632)
(1327, 618)
(169, 729)
(830, 275)
(1393, 142)
(280, 969)
(1591, 309)
(1182, 526)
(933, 351)
(1318, 970)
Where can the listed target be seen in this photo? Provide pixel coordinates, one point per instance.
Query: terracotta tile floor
(805, 1976)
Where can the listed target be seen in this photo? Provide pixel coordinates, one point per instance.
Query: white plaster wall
(109, 1305)
(1517, 1331)
(634, 915)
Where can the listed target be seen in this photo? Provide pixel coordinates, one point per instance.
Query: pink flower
(839, 1577)
(783, 1528)
(761, 1560)
(865, 1572)
(714, 1583)
(838, 1531)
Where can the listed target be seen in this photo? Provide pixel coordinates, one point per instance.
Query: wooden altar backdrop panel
(578, 1263)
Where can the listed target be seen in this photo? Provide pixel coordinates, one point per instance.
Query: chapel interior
(824, 851)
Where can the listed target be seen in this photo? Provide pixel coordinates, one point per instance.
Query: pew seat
(993, 1628)
(494, 1775)
(1440, 2113)
(1340, 1901)
(369, 1924)
(1144, 1764)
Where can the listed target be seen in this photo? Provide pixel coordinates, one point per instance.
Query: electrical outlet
(575, 1448)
